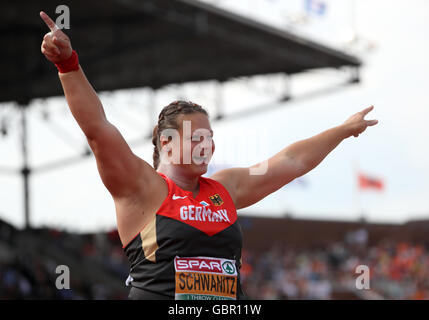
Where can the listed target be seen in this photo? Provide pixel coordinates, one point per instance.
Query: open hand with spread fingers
(56, 44)
(356, 124)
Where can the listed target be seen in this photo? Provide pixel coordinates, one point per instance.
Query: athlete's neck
(183, 179)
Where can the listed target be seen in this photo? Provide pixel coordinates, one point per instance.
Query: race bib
(204, 278)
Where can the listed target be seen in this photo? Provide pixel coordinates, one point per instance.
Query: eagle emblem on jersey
(216, 199)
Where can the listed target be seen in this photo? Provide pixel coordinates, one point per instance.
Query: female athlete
(179, 229)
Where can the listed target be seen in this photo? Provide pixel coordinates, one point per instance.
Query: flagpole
(353, 21)
(358, 194)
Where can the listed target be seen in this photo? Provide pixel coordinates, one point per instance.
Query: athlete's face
(195, 146)
(197, 141)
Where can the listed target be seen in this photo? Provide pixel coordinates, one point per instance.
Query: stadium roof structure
(151, 43)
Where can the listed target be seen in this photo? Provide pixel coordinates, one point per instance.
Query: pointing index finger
(364, 112)
(48, 21)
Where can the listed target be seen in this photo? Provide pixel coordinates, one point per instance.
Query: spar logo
(205, 264)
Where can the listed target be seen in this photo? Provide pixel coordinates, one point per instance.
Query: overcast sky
(392, 42)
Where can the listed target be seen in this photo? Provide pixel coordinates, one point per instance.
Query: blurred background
(270, 72)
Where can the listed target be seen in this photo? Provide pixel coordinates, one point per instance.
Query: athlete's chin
(200, 169)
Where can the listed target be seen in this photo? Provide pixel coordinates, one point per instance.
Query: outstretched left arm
(247, 188)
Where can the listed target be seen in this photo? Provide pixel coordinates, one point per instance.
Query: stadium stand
(298, 259)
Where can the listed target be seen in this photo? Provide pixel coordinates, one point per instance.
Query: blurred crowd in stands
(397, 270)
(27, 274)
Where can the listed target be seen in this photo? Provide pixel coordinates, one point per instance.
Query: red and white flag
(368, 182)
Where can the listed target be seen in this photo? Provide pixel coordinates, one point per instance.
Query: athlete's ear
(170, 146)
(163, 141)
(165, 144)
(169, 135)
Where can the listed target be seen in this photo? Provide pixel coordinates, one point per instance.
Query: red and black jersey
(191, 249)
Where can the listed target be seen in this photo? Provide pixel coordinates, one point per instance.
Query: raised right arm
(130, 180)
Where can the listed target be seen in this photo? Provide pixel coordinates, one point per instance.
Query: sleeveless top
(191, 249)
